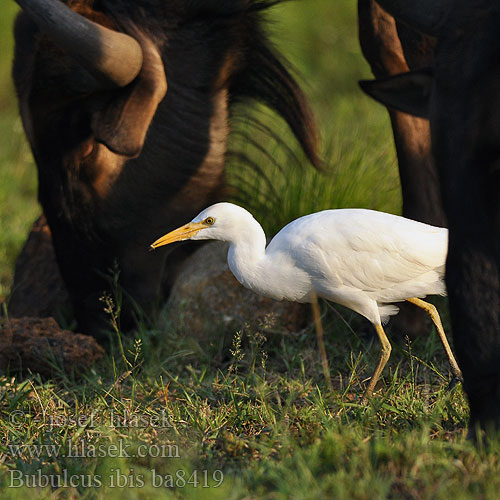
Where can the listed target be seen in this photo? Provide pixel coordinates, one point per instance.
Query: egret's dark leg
(431, 310)
(384, 357)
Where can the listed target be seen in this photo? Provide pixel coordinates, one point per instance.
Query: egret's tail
(387, 310)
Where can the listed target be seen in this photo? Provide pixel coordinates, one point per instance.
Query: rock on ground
(207, 295)
(42, 346)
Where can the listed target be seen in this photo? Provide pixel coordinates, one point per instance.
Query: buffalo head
(120, 159)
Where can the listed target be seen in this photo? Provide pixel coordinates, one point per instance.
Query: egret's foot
(457, 374)
(365, 398)
(369, 394)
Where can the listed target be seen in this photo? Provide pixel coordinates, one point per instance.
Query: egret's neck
(246, 254)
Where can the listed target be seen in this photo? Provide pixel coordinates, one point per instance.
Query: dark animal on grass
(460, 95)
(126, 105)
(391, 47)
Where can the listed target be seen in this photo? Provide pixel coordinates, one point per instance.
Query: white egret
(362, 259)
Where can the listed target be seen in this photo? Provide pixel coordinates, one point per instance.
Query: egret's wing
(363, 249)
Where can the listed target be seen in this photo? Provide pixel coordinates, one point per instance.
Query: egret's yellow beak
(182, 233)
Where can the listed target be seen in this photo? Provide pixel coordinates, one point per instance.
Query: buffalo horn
(426, 16)
(113, 58)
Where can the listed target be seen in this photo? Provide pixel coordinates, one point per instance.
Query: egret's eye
(209, 221)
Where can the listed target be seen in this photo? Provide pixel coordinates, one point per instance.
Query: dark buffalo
(460, 95)
(391, 47)
(126, 105)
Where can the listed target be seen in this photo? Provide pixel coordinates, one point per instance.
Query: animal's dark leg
(473, 282)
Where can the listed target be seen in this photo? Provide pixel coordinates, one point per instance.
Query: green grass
(260, 411)
(18, 202)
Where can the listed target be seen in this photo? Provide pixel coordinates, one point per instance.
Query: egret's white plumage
(363, 259)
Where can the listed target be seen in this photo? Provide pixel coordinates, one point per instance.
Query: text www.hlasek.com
(84, 449)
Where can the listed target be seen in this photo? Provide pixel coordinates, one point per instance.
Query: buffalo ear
(122, 123)
(408, 92)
